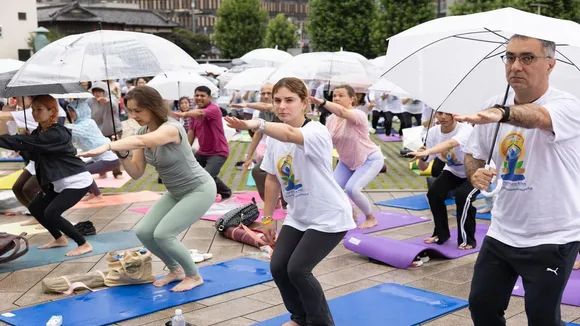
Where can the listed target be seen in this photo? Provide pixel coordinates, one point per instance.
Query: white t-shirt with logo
(414, 107)
(454, 157)
(538, 202)
(315, 200)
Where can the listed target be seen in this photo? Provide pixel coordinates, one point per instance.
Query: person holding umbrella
(534, 234)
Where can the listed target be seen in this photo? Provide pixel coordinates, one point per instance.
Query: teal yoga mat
(102, 243)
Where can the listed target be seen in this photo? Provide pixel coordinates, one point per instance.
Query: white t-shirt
(76, 181)
(315, 200)
(454, 157)
(413, 107)
(393, 104)
(541, 173)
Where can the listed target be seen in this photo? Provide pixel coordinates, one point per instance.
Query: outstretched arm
(337, 109)
(531, 116)
(278, 131)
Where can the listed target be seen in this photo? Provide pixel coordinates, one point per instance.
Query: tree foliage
(395, 16)
(52, 36)
(240, 28)
(563, 9)
(281, 33)
(195, 44)
(334, 24)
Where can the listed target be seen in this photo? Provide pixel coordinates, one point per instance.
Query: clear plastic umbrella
(250, 79)
(174, 85)
(7, 65)
(208, 68)
(379, 61)
(383, 85)
(330, 67)
(266, 57)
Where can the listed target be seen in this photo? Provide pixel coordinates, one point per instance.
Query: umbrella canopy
(37, 89)
(453, 64)
(174, 85)
(250, 79)
(386, 86)
(331, 67)
(7, 65)
(266, 57)
(208, 68)
(379, 61)
(102, 55)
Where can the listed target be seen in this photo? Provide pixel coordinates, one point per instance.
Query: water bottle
(178, 319)
(54, 321)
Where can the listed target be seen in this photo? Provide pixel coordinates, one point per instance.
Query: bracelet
(323, 103)
(122, 156)
(267, 220)
(262, 125)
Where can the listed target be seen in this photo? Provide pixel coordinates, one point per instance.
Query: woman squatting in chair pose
(361, 160)
(62, 176)
(299, 160)
(163, 143)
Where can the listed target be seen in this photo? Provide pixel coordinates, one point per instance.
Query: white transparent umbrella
(250, 79)
(453, 64)
(384, 85)
(173, 85)
(379, 61)
(208, 68)
(266, 57)
(331, 67)
(103, 55)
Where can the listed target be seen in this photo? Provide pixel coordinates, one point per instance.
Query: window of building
(21, 16)
(0, 31)
(23, 54)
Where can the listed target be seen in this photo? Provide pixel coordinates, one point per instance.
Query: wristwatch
(506, 112)
(123, 156)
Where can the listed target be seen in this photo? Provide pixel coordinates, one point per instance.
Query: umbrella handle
(497, 187)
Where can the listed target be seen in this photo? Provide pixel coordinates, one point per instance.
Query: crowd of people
(291, 160)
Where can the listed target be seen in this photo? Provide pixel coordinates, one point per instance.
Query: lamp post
(540, 6)
(193, 18)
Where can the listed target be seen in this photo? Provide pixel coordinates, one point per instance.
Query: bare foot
(577, 264)
(174, 276)
(369, 223)
(60, 242)
(484, 210)
(96, 199)
(188, 283)
(290, 323)
(431, 240)
(466, 247)
(80, 250)
(89, 197)
(29, 222)
(103, 175)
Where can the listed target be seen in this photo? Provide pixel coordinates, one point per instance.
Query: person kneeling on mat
(319, 213)
(446, 140)
(163, 143)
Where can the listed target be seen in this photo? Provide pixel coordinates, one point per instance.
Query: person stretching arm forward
(162, 142)
(361, 160)
(299, 160)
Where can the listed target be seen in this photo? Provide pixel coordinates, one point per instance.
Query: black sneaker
(86, 228)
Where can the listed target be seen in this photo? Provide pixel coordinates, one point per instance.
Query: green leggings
(170, 216)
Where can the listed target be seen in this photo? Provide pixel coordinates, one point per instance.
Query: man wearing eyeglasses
(535, 229)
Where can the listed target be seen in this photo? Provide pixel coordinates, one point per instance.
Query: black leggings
(100, 167)
(464, 197)
(294, 257)
(388, 121)
(26, 188)
(47, 207)
(408, 119)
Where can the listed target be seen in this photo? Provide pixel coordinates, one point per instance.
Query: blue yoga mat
(102, 243)
(414, 203)
(570, 324)
(386, 304)
(251, 182)
(116, 304)
(12, 159)
(484, 216)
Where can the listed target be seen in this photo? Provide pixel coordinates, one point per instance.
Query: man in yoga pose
(446, 141)
(532, 233)
(162, 142)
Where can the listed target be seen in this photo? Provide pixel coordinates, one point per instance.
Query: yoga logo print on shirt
(287, 173)
(512, 151)
(450, 158)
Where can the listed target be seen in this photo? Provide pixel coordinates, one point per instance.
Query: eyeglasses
(525, 59)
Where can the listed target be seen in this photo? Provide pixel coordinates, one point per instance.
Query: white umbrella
(330, 67)
(102, 55)
(173, 85)
(379, 61)
(266, 57)
(208, 68)
(81, 95)
(250, 79)
(383, 85)
(453, 64)
(7, 65)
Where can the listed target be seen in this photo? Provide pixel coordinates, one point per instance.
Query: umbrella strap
(498, 125)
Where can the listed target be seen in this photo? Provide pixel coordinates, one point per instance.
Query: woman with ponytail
(62, 176)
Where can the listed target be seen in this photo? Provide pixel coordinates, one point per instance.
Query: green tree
(240, 28)
(346, 23)
(475, 6)
(281, 33)
(563, 9)
(396, 16)
(195, 44)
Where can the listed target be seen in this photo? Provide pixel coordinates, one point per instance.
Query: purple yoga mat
(390, 138)
(388, 220)
(571, 294)
(401, 254)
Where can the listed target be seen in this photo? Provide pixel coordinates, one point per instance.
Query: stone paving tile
(224, 311)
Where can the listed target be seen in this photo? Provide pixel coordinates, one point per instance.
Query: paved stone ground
(342, 272)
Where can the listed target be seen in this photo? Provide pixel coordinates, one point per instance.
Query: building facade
(17, 22)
